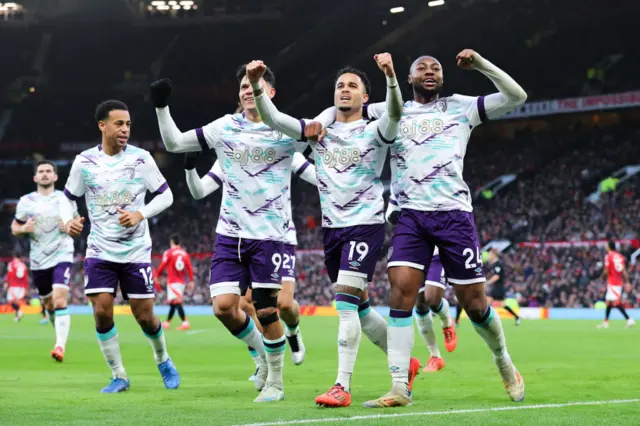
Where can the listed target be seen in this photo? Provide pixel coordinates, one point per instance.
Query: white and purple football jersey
(112, 182)
(348, 162)
(427, 159)
(255, 161)
(49, 246)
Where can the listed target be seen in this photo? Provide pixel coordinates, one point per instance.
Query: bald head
(425, 76)
(424, 60)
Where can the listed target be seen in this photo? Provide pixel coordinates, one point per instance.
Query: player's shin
(62, 326)
(489, 327)
(400, 344)
(110, 348)
(442, 310)
(425, 326)
(349, 334)
(373, 325)
(155, 336)
(249, 334)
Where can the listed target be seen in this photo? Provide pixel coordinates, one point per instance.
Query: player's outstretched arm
(273, 118)
(201, 187)
(174, 140)
(388, 123)
(304, 169)
(511, 94)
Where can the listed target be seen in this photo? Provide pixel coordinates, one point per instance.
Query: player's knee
(475, 309)
(421, 303)
(145, 319)
(60, 302)
(224, 311)
(285, 304)
(265, 301)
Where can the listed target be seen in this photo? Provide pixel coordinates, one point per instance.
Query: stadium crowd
(546, 203)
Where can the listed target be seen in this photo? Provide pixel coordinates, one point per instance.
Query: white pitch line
(197, 331)
(442, 413)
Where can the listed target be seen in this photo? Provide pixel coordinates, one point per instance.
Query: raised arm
(200, 139)
(304, 169)
(201, 187)
(273, 118)
(388, 123)
(511, 94)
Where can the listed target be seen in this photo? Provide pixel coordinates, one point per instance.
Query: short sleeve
(211, 134)
(374, 111)
(473, 108)
(153, 179)
(74, 188)
(22, 211)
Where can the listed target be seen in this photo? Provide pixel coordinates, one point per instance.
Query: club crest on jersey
(130, 172)
(277, 135)
(441, 105)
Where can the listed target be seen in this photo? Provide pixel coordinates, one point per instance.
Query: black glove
(393, 217)
(190, 159)
(160, 92)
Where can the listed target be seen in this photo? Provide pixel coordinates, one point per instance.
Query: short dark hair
(175, 239)
(363, 76)
(268, 76)
(41, 162)
(612, 245)
(103, 109)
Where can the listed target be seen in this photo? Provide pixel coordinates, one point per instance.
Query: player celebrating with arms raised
(255, 162)
(435, 202)
(288, 307)
(114, 178)
(615, 273)
(179, 275)
(51, 256)
(348, 165)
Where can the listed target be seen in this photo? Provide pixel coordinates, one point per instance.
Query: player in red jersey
(17, 283)
(179, 275)
(615, 272)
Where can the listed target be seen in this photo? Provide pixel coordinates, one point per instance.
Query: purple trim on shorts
(215, 177)
(70, 195)
(387, 141)
(302, 168)
(201, 139)
(21, 222)
(481, 110)
(302, 126)
(349, 298)
(400, 313)
(162, 188)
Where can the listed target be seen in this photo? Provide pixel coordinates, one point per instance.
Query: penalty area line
(443, 413)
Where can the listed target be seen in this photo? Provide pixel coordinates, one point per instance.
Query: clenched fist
(129, 219)
(75, 226)
(467, 59)
(385, 63)
(255, 70)
(314, 132)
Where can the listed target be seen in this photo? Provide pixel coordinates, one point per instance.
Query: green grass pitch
(561, 361)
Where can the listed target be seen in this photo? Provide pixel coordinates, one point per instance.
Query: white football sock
(250, 334)
(400, 344)
(443, 311)
(274, 350)
(111, 351)
(349, 334)
(62, 324)
(373, 325)
(425, 326)
(158, 344)
(492, 333)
